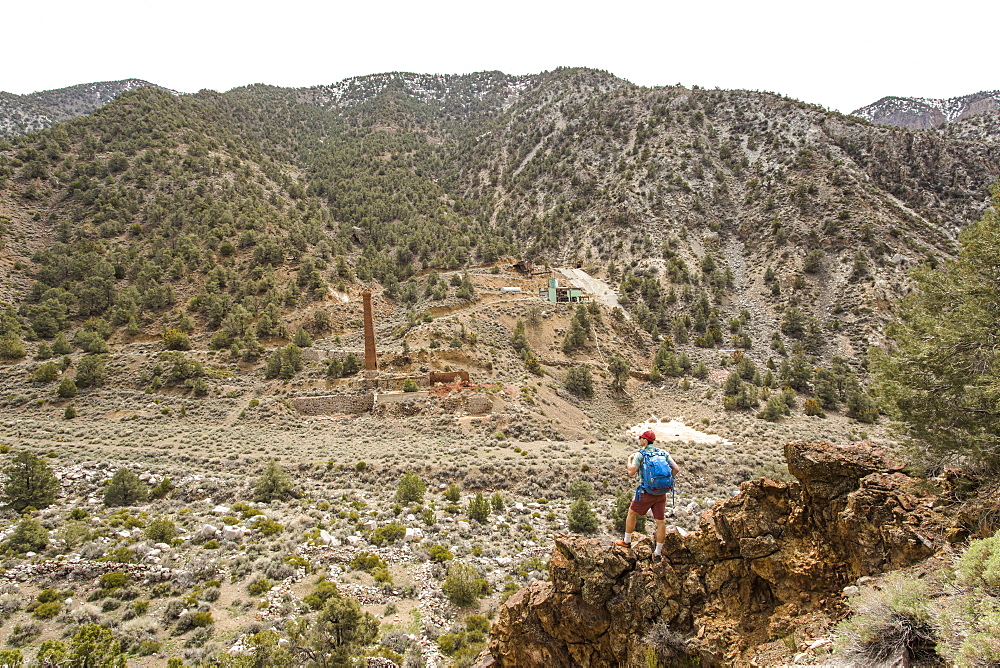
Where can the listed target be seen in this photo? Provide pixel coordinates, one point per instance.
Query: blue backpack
(657, 476)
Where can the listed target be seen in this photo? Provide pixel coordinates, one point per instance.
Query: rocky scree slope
(762, 564)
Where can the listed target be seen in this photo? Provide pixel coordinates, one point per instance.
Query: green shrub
(581, 517)
(453, 493)
(46, 373)
(149, 647)
(410, 488)
(463, 585)
(268, 527)
(496, 501)
(366, 561)
(91, 371)
(48, 595)
(580, 382)
(175, 339)
(970, 618)
(202, 619)
(318, 597)
(388, 533)
(67, 388)
(12, 658)
(440, 553)
(11, 348)
(580, 489)
(479, 508)
(888, 620)
(28, 536)
(113, 580)
(274, 483)
(47, 610)
(161, 531)
(620, 512)
(161, 489)
(409, 385)
(125, 489)
(260, 586)
(775, 408)
(813, 408)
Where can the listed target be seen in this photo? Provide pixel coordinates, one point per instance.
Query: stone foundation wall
(479, 405)
(322, 355)
(476, 404)
(446, 376)
(337, 404)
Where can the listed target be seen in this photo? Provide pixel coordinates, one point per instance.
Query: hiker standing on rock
(656, 471)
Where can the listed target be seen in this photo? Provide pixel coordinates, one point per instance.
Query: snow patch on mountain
(922, 112)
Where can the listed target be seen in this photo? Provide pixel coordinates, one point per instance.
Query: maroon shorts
(643, 502)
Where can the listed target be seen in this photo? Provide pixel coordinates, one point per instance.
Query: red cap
(648, 435)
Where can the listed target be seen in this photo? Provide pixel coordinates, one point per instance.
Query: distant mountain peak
(20, 114)
(921, 113)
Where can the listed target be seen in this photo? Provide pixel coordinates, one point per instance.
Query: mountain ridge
(918, 113)
(679, 196)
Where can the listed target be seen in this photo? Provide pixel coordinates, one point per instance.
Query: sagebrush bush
(970, 619)
(888, 620)
(274, 484)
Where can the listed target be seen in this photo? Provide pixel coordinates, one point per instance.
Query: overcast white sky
(841, 55)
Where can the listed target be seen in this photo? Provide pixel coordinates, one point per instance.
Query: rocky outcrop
(760, 560)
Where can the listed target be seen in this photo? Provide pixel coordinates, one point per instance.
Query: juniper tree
(939, 375)
(30, 482)
(579, 382)
(125, 489)
(581, 517)
(479, 508)
(619, 368)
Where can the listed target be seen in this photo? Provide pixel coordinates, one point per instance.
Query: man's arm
(632, 467)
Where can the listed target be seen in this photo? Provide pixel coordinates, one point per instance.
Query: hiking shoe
(622, 543)
(657, 558)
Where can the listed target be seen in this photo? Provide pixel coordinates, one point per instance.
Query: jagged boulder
(775, 551)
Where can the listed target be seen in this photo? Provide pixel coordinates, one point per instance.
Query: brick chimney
(371, 362)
